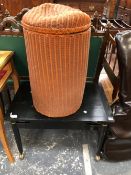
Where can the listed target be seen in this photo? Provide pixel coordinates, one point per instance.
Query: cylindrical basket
(57, 41)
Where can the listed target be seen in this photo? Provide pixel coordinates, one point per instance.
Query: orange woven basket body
(57, 50)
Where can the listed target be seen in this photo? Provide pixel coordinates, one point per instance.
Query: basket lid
(56, 19)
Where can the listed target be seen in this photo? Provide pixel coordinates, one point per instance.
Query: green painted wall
(95, 46)
(16, 44)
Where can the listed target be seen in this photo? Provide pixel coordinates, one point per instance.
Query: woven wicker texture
(55, 18)
(57, 64)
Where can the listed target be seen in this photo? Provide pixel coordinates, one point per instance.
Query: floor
(58, 152)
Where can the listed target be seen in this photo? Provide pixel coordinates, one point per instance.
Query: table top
(5, 57)
(94, 108)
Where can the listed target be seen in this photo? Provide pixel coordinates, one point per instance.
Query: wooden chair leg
(3, 138)
(5, 143)
(15, 78)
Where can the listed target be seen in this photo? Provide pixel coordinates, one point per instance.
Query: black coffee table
(94, 111)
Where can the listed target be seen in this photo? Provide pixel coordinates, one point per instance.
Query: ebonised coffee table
(94, 111)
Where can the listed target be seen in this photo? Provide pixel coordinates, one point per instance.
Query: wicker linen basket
(57, 41)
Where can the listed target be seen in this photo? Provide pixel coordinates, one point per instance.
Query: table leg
(14, 77)
(102, 135)
(18, 139)
(3, 138)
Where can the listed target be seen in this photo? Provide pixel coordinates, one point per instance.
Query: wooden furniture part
(110, 64)
(108, 10)
(125, 14)
(3, 138)
(124, 11)
(8, 70)
(88, 6)
(125, 3)
(110, 69)
(6, 63)
(109, 57)
(111, 8)
(114, 25)
(20, 4)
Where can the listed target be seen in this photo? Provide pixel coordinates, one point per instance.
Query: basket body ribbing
(57, 54)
